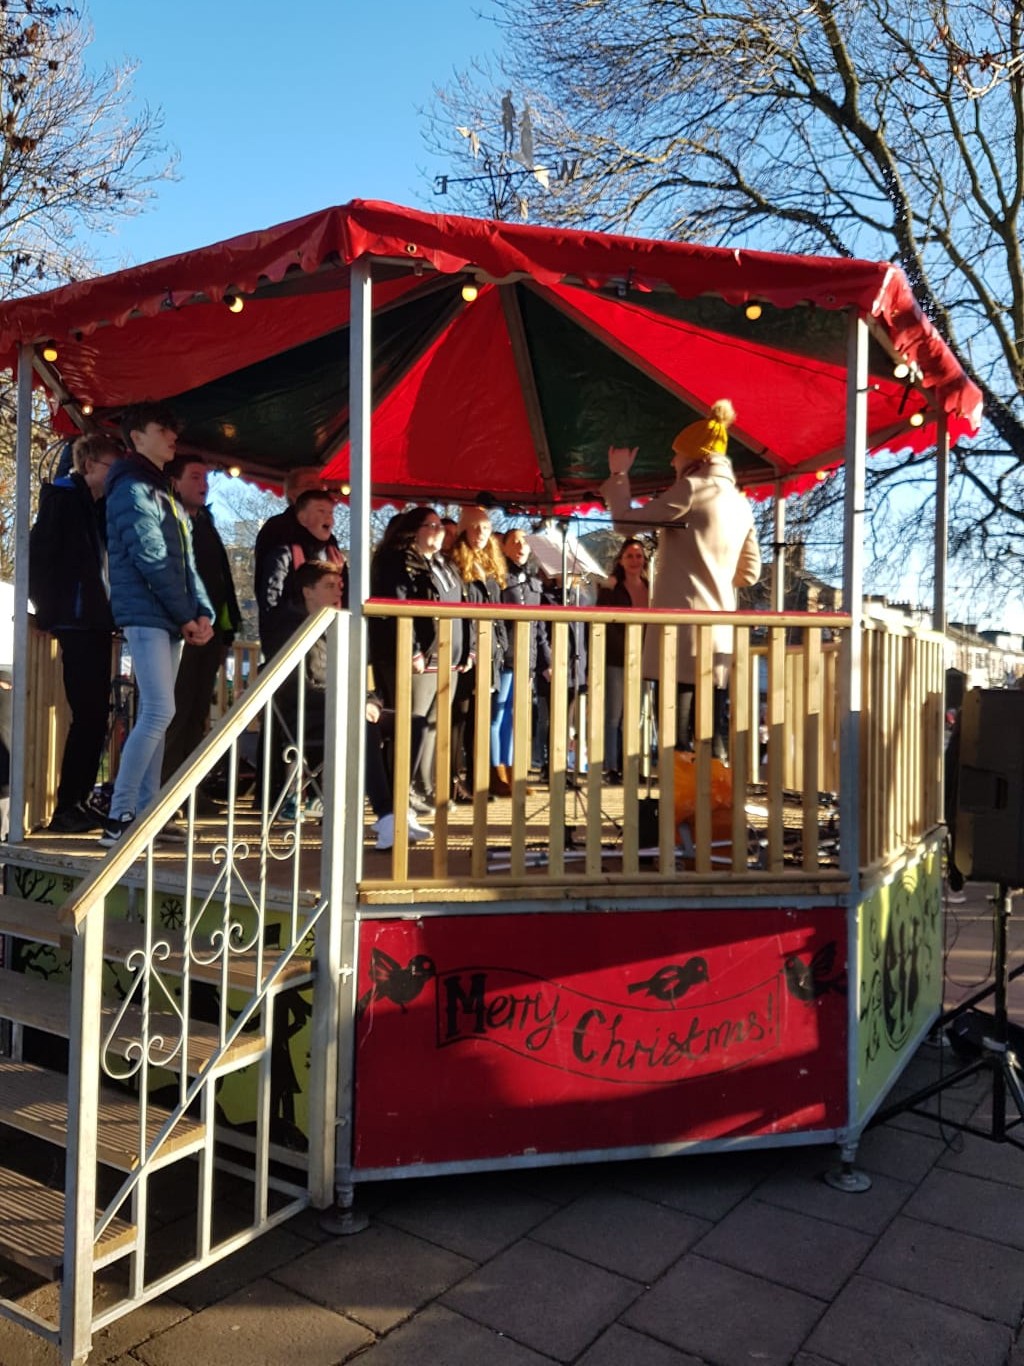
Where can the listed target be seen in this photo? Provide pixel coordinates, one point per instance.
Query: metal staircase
(116, 1052)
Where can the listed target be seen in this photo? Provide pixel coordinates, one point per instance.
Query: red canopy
(575, 340)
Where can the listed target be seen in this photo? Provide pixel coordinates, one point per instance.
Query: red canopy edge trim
(452, 243)
(916, 338)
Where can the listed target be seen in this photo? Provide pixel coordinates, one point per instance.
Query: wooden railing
(901, 739)
(49, 716)
(784, 740)
(780, 835)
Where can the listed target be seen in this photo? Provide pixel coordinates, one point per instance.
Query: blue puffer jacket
(153, 578)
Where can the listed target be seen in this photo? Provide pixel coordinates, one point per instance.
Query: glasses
(432, 526)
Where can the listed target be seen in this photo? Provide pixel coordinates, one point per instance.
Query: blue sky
(278, 110)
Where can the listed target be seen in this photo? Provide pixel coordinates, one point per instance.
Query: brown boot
(500, 785)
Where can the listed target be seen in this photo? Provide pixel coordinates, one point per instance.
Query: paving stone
(706, 1186)
(619, 1346)
(987, 1209)
(561, 1185)
(725, 1316)
(378, 1277)
(263, 1325)
(969, 1273)
(785, 1246)
(476, 1219)
(437, 1337)
(871, 1323)
(980, 1157)
(898, 1153)
(634, 1237)
(800, 1186)
(19, 1347)
(265, 1254)
(543, 1298)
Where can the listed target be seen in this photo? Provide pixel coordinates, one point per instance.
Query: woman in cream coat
(707, 548)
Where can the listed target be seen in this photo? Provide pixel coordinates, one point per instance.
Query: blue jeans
(501, 720)
(155, 656)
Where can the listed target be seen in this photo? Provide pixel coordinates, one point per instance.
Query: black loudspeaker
(989, 830)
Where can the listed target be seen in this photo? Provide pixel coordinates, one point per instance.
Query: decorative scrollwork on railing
(142, 1031)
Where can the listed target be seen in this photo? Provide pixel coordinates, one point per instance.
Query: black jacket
(215, 572)
(282, 545)
(405, 574)
(524, 589)
(67, 559)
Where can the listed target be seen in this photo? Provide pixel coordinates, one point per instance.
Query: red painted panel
(490, 1036)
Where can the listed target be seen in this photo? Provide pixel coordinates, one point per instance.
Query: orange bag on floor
(686, 787)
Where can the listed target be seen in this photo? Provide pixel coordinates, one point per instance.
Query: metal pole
(853, 595)
(346, 889)
(22, 510)
(779, 556)
(941, 524)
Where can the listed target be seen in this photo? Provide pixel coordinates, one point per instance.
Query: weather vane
(508, 169)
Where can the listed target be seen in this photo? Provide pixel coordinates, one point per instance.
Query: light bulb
(916, 419)
(50, 351)
(87, 410)
(469, 293)
(235, 302)
(753, 311)
(234, 471)
(901, 370)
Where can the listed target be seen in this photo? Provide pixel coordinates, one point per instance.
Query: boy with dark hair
(318, 584)
(305, 533)
(68, 585)
(157, 596)
(200, 664)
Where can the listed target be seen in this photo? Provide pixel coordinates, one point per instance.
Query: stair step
(43, 1004)
(34, 1101)
(32, 1227)
(38, 922)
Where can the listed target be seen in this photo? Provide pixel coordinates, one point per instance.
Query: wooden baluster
(521, 740)
(811, 738)
(595, 747)
(443, 745)
(480, 759)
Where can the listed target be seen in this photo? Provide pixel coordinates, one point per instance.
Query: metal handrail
(217, 743)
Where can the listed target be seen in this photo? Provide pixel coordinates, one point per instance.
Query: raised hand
(620, 459)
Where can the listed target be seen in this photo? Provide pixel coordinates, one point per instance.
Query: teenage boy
(305, 533)
(200, 664)
(68, 586)
(157, 597)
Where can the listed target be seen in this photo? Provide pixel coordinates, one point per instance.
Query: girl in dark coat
(479, 563)
(629, 586)
(409, 566)
(523, 588)
(68, 586)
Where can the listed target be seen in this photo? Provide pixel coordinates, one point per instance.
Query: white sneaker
(385, 828)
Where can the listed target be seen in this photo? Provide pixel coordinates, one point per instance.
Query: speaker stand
(995, 1057)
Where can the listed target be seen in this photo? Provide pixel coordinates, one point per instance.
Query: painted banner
(499, 1035)
(900, 973)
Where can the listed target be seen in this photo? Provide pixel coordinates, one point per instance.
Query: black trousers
(193, 694)
(85, 660)
(720, 723)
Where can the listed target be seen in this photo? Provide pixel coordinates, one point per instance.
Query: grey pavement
(740, 1259)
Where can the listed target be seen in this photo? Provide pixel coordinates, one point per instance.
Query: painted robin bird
(392, 982)
(673, 980)
(807, 980)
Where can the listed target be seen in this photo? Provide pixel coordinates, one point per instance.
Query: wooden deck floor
(45, 856)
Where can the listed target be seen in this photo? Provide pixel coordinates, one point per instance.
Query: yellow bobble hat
(706, 439)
